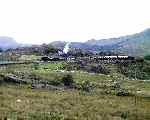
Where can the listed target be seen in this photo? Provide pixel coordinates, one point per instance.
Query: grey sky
(39, 21)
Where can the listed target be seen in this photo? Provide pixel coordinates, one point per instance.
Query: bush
(1, 50)
(36, 66)
(122, 92)
(147, 57)
(96, 69)
(139, 60)
(50, 49)
(67, 80)
(138, 70)
(86, 86)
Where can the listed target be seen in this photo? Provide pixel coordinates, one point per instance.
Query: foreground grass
(22, 102)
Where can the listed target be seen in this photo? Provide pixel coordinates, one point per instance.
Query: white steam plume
(66, 48)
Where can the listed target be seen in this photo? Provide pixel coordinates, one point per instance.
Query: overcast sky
(40, 21)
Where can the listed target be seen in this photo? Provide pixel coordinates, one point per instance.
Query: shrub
(138, 70)
(139, 60)
(36, 66)
(50, 49)
(86, 86)
(1, 79)
(124, 115)
(34, 76)
(67, 80)
(56, 81)
(1, 50)
(122, 92)
(96, 69)
(147, 57)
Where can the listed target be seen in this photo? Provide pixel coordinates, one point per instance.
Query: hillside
(135, 45)
(59, 44)
(7, 42)
(48, 91)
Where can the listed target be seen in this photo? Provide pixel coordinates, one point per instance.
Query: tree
(67, 80)
(147, 57)
(50, 49)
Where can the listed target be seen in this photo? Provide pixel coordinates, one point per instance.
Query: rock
(10, 78)
(45, 86)
(18, 100)
(38, 86)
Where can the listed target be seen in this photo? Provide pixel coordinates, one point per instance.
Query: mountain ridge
(7, 42)
(134, 45)
(137, 44)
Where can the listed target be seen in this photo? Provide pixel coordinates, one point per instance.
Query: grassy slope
(74, 104)
(137, 44)
(71, 103)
